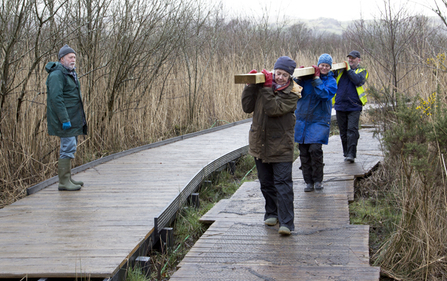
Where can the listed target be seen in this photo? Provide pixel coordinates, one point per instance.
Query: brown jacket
(272, 129)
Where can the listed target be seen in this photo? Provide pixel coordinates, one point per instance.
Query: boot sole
(284, 231)
(67, 189)
(271, 223)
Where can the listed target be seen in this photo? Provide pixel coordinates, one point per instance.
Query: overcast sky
(342, 10)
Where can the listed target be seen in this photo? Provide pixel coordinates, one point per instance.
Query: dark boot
(318, 186)
(309, 187)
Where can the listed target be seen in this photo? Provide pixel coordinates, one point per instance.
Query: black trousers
(277, 189)
(348, 124)
(311, 157)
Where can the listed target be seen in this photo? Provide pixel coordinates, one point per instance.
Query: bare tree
(299, 37)
(34, 35)
(91, 17)
(14, 16)
(439, 12)
(388, 42)
(143, 34)
(193, 46)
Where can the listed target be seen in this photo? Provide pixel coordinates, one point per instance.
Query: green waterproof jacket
(272, 130)
(64, 102)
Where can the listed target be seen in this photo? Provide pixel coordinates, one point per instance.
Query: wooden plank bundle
(257, 78)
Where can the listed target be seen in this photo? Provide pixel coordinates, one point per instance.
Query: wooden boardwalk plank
(93, 231)
(324, 246)
(243, 272)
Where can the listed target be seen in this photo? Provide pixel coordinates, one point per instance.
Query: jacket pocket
(75, 115)
(279, 144)
(254, 140)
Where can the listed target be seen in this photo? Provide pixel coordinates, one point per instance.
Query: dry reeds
(415, 142)
(140, 116)
(155, 69)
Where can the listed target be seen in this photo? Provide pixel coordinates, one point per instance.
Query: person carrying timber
(271, 139)
(349, 101)
(313, 120)
(65, 112)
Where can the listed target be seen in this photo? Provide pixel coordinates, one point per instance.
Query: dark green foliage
(409, 204)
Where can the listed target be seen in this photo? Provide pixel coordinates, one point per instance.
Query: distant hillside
(337, 27)
(326, 25)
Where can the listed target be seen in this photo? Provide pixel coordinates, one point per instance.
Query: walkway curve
(95, 232)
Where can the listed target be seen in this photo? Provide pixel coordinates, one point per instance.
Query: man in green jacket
(65, 112)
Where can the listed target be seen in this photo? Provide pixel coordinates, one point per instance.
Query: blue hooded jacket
(313, 112)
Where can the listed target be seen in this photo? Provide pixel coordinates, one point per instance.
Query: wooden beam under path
(257, 78)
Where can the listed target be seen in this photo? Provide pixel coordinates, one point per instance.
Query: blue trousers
(277, 189)
(68, 147)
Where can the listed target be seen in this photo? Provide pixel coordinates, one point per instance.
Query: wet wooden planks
(324, 246)
(260, 272)
(92, 232)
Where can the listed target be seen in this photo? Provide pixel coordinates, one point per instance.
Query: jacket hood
(52, 66)
(296, 89)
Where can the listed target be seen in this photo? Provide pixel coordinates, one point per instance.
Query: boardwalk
(237, 246)
(94, 232)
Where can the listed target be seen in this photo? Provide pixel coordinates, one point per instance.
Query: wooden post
(194, 200)
(167, 237)
(143, 263)
(231, 167)
(257, 78)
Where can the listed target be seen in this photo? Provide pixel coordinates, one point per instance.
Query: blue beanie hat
(325, 58)
(285, 63)
(64, 51)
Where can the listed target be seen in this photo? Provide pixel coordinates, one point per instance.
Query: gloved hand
(348, 67)
(66, 125)
(268, 78)
(253, 71)
(317, 71)
(301, 66)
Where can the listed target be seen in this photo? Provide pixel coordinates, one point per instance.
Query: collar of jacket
(325, 76)
(291, 87)
(283, 87)
(358, 67)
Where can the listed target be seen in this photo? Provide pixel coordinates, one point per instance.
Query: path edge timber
(35, 188)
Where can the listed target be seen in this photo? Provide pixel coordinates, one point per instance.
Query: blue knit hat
(325, 58)
(65, 50)
(285, 63)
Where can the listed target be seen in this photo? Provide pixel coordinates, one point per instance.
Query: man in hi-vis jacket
(349, 101)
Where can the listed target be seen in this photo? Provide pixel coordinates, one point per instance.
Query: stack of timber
(257, 78)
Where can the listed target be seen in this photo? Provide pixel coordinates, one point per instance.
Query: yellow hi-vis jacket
(360, 89)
